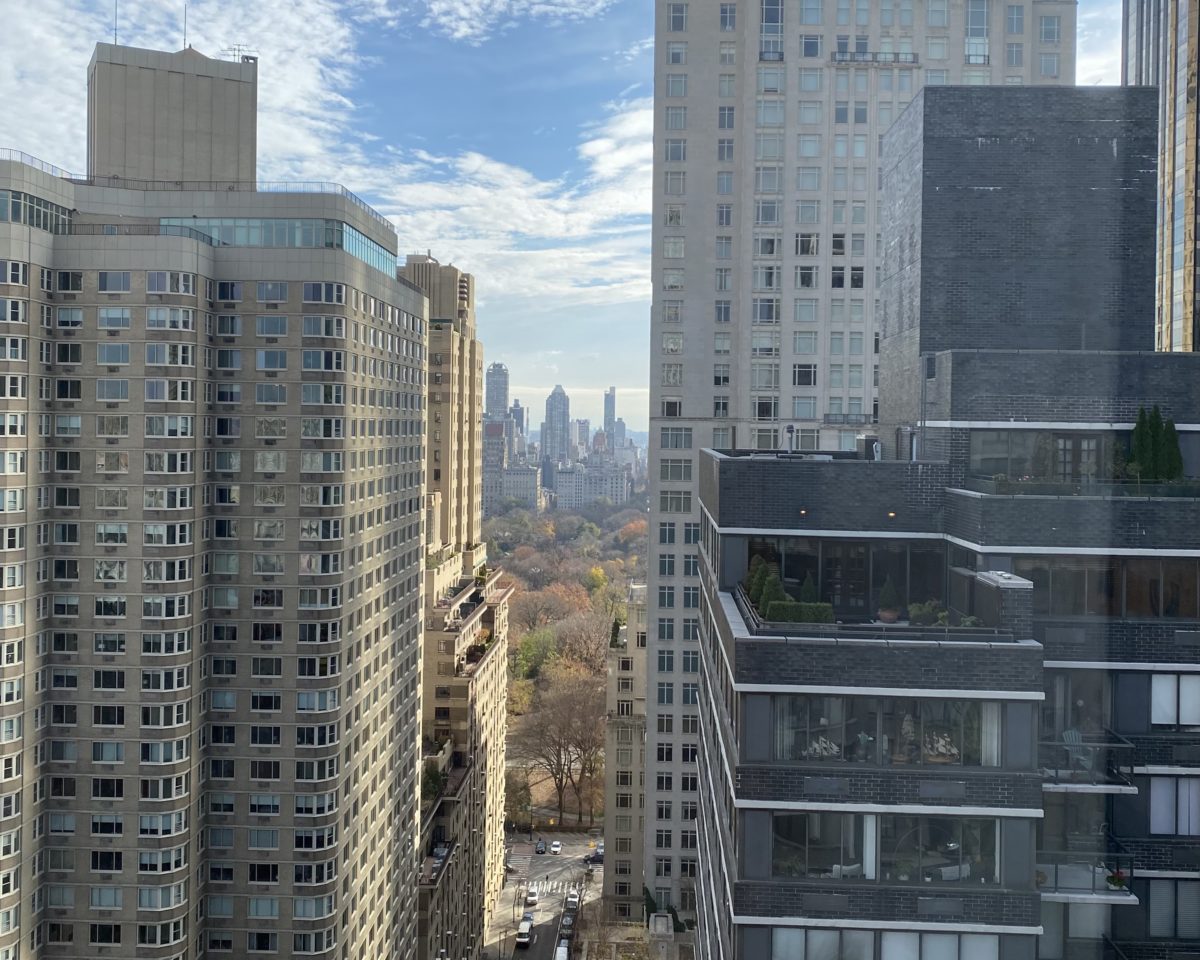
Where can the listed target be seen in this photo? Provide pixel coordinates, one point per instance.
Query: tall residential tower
(212, 493)
(497, 390)
(768, 122)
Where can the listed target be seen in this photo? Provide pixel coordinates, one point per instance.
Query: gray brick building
(1017, 777)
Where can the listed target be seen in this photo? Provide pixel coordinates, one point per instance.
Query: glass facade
(17, 207)
(306, 233)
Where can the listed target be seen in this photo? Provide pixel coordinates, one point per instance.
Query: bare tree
(583, 639)
(543, 741)
(585, 732)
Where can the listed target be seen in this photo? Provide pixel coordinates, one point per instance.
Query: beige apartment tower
(212, 488)
(768, 124)
(463, 720)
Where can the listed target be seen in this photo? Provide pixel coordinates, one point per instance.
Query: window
(677, 53)
(676, 84)
(810, 12)
(1048, 64)
(1175, 701)
(1014, 54)
(728, 17)
(676, 118)
(725, 118)
(110, 281)
(1175, 806)
(1015, 18)
(1050, 29)
(1174, 910)
(272, 291)
(677, 17)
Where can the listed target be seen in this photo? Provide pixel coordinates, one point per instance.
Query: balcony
(1081, 876)
(1087, 763)
(864, 56)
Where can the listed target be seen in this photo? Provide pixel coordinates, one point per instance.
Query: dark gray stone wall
(967, 666)
(957, 903)
(855, 783)
(1015, 217)
(851, 495)
(1125, 640)
(1070, 522)
(1073, 386)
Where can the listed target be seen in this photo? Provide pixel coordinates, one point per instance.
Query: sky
(509, 137)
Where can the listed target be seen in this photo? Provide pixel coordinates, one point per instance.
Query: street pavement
(554, 875)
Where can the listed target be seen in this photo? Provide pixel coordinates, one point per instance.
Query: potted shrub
(1117, 880)
(889, 602)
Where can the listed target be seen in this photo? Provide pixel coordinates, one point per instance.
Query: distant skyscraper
(556, 429)
(496, 395)
(610, 412)
(520, 416)
(1161, 47)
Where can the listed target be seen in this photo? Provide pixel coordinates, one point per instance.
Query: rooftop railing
(261, 186)
(1023, 487)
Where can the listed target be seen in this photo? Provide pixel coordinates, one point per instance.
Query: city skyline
(564, 171)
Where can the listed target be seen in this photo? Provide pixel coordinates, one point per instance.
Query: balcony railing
(770, 56)
(856, 419)
(136, 230)
(1022, 487)
(977, 59)
(1103, 873)
(1087, 759)
(871, 56)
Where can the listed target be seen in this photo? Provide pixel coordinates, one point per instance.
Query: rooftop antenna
(115, 2)
(185, 26)
(239, 51)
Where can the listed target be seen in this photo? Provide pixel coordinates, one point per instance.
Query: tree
(583, 639)
(1172, 457)
(533, 650)
(1155, 428)
(543, 742)
(808, 590)
(595, 579)
(1142, 455)
(516, 795)
(771, 592)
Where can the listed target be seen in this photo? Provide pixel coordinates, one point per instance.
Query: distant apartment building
(624, 753)
(610, 410)
(766, 232)
(1161, 48)
(496, 404)
(465, 695)
(214, 483)
(583, 483)
(556, 436)
(516, 486)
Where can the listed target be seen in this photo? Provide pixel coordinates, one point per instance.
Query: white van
(563, 952)
(525, 934)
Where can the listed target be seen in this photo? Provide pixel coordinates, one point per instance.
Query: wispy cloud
(473, 21)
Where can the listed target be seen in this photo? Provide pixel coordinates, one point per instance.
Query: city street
(554, 876)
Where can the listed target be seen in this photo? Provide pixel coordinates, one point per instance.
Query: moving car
(541, 847)
(556, 847)
(527, 915)
(525, 934)
(531, 895)
(597, 857)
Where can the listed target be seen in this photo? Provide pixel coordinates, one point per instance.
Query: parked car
(566, 928)
(527, 915)
(572, 900)
(556, 847)
(541, 847)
